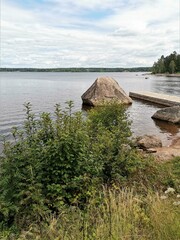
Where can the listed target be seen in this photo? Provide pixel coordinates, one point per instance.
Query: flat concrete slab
(163, 99)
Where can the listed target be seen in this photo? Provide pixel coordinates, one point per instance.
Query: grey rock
(105, 89)
(148, 142)
(169, 114)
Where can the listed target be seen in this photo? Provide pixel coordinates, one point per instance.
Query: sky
(87, 33)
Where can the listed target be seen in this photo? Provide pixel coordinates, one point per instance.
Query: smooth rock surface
(105, 89)
(169, 114)
(159, 98)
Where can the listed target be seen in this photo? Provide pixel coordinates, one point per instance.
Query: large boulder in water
(169, 114)
(105, 89)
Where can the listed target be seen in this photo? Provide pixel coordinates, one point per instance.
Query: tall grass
(121, 215)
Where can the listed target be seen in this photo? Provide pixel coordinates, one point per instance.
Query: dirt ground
(167, 153)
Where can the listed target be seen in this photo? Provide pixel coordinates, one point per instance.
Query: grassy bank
(119, 214)
(70, 177)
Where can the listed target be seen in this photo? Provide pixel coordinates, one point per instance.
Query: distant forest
(168, 64)
(138, 69)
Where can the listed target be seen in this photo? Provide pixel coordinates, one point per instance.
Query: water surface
(44, 90)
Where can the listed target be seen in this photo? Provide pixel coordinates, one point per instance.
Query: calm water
(44, 90)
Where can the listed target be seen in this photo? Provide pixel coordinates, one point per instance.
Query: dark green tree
(178, 64)
(172, 67)
(168, 64)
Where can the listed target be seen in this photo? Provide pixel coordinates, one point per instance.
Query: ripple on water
(44, 90)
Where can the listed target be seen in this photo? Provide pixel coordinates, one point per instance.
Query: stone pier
(163, 99)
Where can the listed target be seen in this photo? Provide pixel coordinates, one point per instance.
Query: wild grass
(120, 215)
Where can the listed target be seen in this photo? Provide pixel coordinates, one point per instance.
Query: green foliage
(168, 64)
(170, 173)
(59, 161)
(109, 130)
(62, 161)
(172, 66)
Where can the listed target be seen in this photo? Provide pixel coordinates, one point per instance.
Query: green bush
(59, 160)
(65, 159)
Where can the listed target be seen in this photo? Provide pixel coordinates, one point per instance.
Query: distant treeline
(168, 64)
(138, 69)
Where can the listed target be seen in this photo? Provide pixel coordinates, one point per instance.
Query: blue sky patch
(27, 3)
(96, 14)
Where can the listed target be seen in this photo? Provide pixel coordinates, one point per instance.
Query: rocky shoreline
(151, 144)
(106, 89)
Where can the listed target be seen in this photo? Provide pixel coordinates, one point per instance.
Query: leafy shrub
(56, 161)
(66, 158)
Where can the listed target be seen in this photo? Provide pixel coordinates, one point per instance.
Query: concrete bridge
(163, 99)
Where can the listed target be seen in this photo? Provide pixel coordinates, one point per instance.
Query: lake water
(44, 90)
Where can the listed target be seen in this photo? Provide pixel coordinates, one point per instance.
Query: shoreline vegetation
(146, 70)
(138, 69)
(167, 65)
(69, 177)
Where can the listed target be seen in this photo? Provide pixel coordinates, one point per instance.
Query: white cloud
(117, 33)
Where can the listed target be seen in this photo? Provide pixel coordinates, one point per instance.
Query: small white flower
(176, 203)
(169, 190)
(178, 196)
(163, 197)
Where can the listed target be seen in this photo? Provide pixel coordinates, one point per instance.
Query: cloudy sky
(87, 33)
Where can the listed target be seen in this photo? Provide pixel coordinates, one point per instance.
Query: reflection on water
(140, 113)
(44, 90)
(165, 127)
